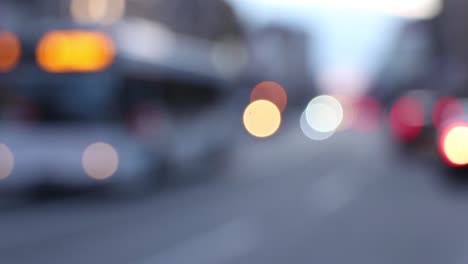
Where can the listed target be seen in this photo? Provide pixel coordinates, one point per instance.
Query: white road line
(231, 240)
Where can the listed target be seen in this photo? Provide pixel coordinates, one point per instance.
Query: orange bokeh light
(270, 91)
(10, 51)
(75, 51)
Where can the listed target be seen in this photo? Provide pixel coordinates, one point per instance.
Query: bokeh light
(344, 80)
(97, 11)
(445, 110)
(453, 145)
(75, 51)
(7, 161)
(347, 103)
(406, 118)
(100, 161)
(324, 113)
(137, 37)
(10, 51)
(312, 133)
(262, 118)
(270, 91)
(368, 114)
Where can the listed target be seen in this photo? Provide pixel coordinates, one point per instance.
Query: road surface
(286, 199)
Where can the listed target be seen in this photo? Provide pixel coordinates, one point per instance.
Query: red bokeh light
(446, 108)
(270, 91)
(368, 113)
(406, 119)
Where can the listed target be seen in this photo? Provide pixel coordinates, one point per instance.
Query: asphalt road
(287, 199)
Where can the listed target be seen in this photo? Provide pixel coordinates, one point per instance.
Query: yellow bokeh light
(262, 118)
(455, 145)
(100, 161)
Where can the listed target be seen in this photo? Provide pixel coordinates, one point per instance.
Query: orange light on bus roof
(10, 51)
(75, 51)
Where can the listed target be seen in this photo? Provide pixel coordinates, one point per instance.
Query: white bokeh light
(97, 11)
(312, 133)
(100, 161)
(324, 113)
(7, 161)
(136, 38)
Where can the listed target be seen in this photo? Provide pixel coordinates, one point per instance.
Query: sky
(344, 35)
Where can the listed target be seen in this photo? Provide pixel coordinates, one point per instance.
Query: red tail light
(453, 145)
(406, 119)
